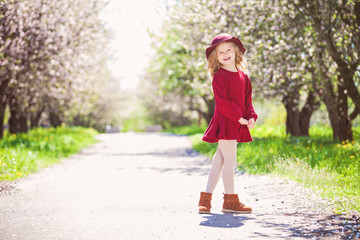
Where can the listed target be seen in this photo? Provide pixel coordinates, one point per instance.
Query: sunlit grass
(341, 192)
(25, 153)
(332, 168)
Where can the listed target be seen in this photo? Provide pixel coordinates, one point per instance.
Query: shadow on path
(328, 226)
(226, 220)
(189, 171)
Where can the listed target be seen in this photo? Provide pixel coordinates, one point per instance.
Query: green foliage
(332, 168)
(272, 112)
(25, 153)
(137, 120)
(135, 124)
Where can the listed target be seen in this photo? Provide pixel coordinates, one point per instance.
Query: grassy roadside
(331, 168)
(25, 153)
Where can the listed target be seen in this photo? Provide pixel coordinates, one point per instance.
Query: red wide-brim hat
(224, 38)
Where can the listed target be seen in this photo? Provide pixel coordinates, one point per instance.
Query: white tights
(224, 161)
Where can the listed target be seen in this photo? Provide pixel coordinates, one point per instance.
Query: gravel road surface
(147, 186)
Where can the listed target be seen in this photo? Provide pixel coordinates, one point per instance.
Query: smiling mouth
(227, 59)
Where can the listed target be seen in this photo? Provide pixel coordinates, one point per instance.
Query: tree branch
(354, 114)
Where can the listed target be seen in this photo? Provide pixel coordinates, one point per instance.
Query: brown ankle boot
(232, 204)
(205, 202)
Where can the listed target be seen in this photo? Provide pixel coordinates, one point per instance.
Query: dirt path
(146, 186)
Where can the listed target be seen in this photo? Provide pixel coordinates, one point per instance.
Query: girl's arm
(249, 109)
(226, 107)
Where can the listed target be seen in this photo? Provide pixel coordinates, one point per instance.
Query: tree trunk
(292, 120)
(54, 119)
(211, 109)
(341, 127)
(291, 103)
(2, 114)
(337, 108)
(298, 121)
(345, 123)
(336, 104)
(18, 119)
(3, 87)
(35, 118)
(352, 91)
(311, 105)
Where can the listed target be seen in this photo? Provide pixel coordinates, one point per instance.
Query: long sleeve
(226, 107)
(249, 109)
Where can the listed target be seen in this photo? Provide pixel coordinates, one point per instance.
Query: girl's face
(226, 54)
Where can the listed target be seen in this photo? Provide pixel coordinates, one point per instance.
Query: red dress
(232, 91)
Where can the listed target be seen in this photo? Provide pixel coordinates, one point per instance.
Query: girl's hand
(251, 123)
(243, 121)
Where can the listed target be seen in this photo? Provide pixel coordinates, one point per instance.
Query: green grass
(25, 153)
(331, 168)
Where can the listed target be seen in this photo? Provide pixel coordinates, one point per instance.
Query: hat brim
(233, 39)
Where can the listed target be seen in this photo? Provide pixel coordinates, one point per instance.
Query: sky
(129, 21)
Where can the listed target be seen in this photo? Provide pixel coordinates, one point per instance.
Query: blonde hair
(214, 64)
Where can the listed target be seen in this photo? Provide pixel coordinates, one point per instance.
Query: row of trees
(300, 52)
(53, 64)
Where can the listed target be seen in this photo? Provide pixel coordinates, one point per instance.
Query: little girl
(234, 115)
